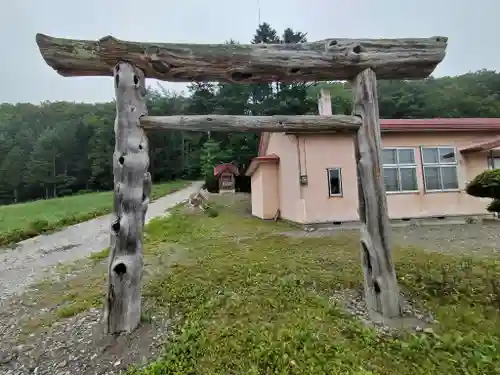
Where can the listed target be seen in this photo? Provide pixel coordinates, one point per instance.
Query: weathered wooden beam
(329, 59)
(132, 183)
(380, 283)
(252, 123)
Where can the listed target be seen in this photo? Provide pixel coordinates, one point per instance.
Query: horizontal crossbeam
(329, 59)
(252, 123)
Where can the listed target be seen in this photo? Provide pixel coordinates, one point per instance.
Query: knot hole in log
(160, 66)
(136, 80)
(120, 269)
(116, 226)
(376, 287)
(121, 160)
(369, 269)
(241, 76)
(366, 258)
(332, 43)
(357, 49)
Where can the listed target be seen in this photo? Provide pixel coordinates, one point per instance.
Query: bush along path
(36, 257)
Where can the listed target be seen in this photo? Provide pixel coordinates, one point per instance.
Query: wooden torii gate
(360, 61)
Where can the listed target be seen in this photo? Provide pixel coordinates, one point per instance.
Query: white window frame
(400, 166)
(491, 161)
(440, 165)
(341, 189)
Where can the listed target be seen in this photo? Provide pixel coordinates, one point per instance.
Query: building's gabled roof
(221, 168)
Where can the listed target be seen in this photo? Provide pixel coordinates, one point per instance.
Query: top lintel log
(329, 59)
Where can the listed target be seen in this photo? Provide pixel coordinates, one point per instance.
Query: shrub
(494, 206)
(39, 226)
(211, 211)
(485, 185)
(211, 184)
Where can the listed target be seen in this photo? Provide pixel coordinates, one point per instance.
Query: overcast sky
(471, 26)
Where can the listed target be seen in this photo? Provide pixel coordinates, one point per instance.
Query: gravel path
(473, 239)
(32, 259)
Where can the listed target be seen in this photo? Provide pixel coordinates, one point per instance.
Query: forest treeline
(61, 148)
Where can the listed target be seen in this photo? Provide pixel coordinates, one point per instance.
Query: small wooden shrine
(226, 177)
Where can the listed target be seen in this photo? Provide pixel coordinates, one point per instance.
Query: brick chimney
(324, 103)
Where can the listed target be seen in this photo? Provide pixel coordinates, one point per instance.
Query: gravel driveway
(473, 239)
(33, 258)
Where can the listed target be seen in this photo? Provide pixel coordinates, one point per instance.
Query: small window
(400, 169)
(440, 168)
(334, 182)
(494, 163)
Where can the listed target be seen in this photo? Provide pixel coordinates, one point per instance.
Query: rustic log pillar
(380, 283)
(132, 183)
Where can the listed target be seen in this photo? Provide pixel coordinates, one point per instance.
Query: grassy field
(254, 301)
(25, 220)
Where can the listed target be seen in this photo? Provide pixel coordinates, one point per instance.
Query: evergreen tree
(11, 171)
(42, 169)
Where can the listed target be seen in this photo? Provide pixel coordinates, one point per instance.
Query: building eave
(257, 161)
(481, 146)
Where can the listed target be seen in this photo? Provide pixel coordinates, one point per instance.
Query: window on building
(400, 169)
(334, 181)
(440, 168)
(494, 162)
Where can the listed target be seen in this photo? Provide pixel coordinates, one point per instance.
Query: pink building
(311, 179)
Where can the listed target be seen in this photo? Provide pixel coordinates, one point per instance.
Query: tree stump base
(412, 318)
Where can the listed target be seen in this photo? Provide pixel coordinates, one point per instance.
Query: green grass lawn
(247, 299)
(25, 220)
(253, 301)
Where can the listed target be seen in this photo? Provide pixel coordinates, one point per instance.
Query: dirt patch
(412, 318)
(78, 345)
(477, 238)
(53, 328)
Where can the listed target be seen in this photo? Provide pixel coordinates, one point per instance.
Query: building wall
(439, 203)
(291, 203)
(265, 191)
(257, 195)
(312, 155)
(270, 189)
(321, 153)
